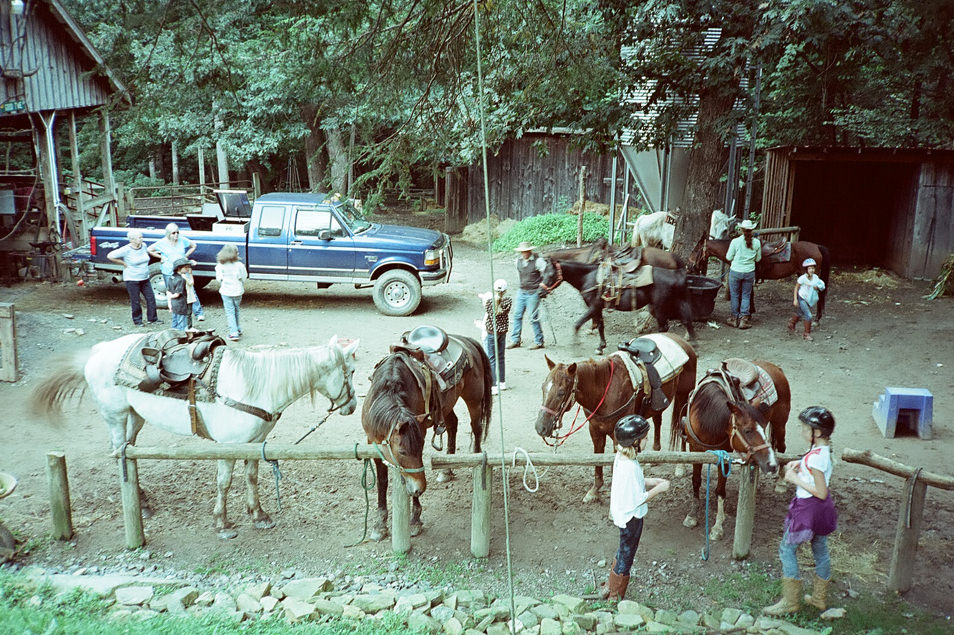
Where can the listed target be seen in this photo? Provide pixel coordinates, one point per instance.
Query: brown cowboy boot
(615, 587)
(808, 331)
(791, 598)
(732, 321)
(791, 325)
(819, 595)
(745, 322)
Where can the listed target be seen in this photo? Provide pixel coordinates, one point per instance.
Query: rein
(393, 461)
(560, 440)
(559, 277)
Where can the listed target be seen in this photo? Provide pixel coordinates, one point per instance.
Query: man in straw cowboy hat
(530, 268)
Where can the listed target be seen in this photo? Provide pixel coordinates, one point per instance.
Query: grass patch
(552, 229)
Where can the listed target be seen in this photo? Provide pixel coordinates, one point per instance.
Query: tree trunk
(316, 161)
(705, 170)
(338, 157)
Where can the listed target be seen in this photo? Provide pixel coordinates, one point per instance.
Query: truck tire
(397, 293)
(158, 284)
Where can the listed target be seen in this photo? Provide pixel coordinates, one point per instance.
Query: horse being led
(601, 250)
(404, 400)
(252, 389)
(729, 410)
(604, 390)
(667, 295)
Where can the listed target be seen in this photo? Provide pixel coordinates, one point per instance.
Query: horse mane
(296, 367)
(710, 405)
(387, 402)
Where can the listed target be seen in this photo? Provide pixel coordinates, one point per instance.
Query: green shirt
(743, 259)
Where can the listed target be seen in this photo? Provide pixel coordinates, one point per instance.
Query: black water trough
(702, 296)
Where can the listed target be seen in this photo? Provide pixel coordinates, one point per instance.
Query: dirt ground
(878, 333)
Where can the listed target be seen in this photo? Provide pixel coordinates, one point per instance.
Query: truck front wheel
(397, 293)
(158, 284)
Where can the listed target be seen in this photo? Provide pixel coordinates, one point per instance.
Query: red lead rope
(561, 439)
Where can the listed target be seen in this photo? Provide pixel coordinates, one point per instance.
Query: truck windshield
(352, 217)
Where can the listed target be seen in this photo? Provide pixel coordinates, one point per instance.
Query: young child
(495, 326)
(177, 294)
(628, 498)
(811, 514)
(805, 297)
(230, 272)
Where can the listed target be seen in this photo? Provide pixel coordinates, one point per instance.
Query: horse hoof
(591, 496)
(689, 522)
(227, 534)
(680, 471)
(444, 476)
(147, 513)
(716, 534)
(264, 524)
(377, 535)
(416, 530)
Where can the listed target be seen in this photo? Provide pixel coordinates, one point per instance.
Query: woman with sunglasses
(169, 249)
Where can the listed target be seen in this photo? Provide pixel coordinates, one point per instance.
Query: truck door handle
(295, 242)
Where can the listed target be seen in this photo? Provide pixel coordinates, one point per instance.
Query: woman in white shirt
(628, 498)
(134, 259)
(744, 251)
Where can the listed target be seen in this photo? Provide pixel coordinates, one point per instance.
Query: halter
(735, 434)
(393, 463)
(347, 390)
(567, 403)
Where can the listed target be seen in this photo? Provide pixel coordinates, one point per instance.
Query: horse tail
(676, 430)
(65, 379)
(487, 400)
(823, 274)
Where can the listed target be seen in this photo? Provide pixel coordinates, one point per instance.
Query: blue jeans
(498, 366)
(628, 544)
(231, 304)
(787, 554)
(181, 322)
(196, 306)
(804, 310)
(740, 292)
(527, 301)
(135, 288)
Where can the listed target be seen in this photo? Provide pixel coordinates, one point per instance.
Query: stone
(223, 603)
(550, 627)
(665, 617)
(415, 600)
(689, 618)
(297, 610)
(247, 604)
(545, 612)
(327, 607)
(572, 628)
(833, 614)
(529, 618)
(658, 627)
(258, 591)
(373, 603)
(453, 626)
(731, 615)
(205, 599)
(587, 621)
(501, 628)
(745, 620)
(471, 598)
(766, 624)
(306, 588)
(268, 603)
(450, 601)
(628, 607)
(352, 612)
(433, 596)
(134, 595)
(442, 613)
(180, 599)
(712, 622)
(423, 623)
(628, 621)
(99, 585)
(573, 604)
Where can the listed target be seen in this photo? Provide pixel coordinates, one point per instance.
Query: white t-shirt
(137, 262)
(818, 458)
(808, 289)
(628, 492)
(231, 274)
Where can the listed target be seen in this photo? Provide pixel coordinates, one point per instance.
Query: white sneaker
(200, 318)
(502, 385)
(493, 390)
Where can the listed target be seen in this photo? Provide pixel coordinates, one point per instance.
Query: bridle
(393, 462)
(736, 433)
(568, 403)
(347, 390)
(559, 276)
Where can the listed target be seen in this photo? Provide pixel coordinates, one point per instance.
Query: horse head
(342, 385)
(552, 276)
(748, 434)
(403, 449)
(559, 390)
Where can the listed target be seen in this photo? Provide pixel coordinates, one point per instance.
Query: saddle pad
(671, 360)
(784, 255)
(130, 374)
(764, 389)
(642, 277)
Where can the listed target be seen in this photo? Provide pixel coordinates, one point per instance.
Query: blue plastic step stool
(914, 405)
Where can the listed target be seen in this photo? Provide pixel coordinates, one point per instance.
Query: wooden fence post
(480, 512)
(59, 495)
(906, 539)
(455, 200)
(132, 508)
(400, 514)
(8, 342)
(745, 511)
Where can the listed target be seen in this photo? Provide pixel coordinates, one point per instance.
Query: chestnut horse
(720, 421)
(604, 391)
(777, 270)
(396, 414)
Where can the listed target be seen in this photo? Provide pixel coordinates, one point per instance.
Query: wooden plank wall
(63, 78)
(932, 238)
(525, 182)
(776, 192)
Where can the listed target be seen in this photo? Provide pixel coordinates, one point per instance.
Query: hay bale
(476, 233)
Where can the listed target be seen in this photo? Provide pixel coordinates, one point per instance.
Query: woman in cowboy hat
(744, 251)
(530, 268)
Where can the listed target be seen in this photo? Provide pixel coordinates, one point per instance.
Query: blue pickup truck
(296, 237)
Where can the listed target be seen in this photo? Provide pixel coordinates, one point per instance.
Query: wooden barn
(877, 207)
(51, 75)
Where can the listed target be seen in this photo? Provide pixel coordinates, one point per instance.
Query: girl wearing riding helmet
(811, 514)
(805, 297)
(628, 498)
(495, 326)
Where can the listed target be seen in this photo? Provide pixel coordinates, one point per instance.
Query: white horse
(252, 389)
(657, 229)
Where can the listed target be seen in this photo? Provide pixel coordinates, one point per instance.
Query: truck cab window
(271, 221)
(310, 222)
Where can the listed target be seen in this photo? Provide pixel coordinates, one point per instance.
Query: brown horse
(778, 270)
(396, 414)
(604, 390)
(720, 421)
(602, 250)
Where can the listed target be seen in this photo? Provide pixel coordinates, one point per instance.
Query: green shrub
(552, 229)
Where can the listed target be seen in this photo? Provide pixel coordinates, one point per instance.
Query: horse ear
(421, 417)
(764, 409)
(333, 341)
(352, 348)
(571, 369)
(733, 407)
(550, 363)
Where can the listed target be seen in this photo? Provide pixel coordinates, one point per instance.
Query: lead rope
(725, 465)
(278, 476)
(366, 485)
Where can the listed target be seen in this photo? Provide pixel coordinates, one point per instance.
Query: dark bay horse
(667, 297)
(778, 270)
(601, 250)
(719, 421)
(604, 390)
(396, 415)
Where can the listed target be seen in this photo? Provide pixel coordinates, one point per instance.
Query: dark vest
(530, 278)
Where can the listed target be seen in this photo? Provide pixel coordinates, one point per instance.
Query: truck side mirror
(324, 234)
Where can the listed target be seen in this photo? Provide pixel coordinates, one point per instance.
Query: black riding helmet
(630, 429)
(819, 418)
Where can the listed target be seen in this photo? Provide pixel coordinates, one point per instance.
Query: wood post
(579, 220)
(175, 162)
(78, 183)
(59, 495)
(400, 514)
(455, 200)
(906, 538)
(480, 512)
(745, 511)
(201, 159)
(132, 507)
(256, 185)
(8, 342)
(106, 152)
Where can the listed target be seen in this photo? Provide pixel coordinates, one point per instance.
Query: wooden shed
(878, 207)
